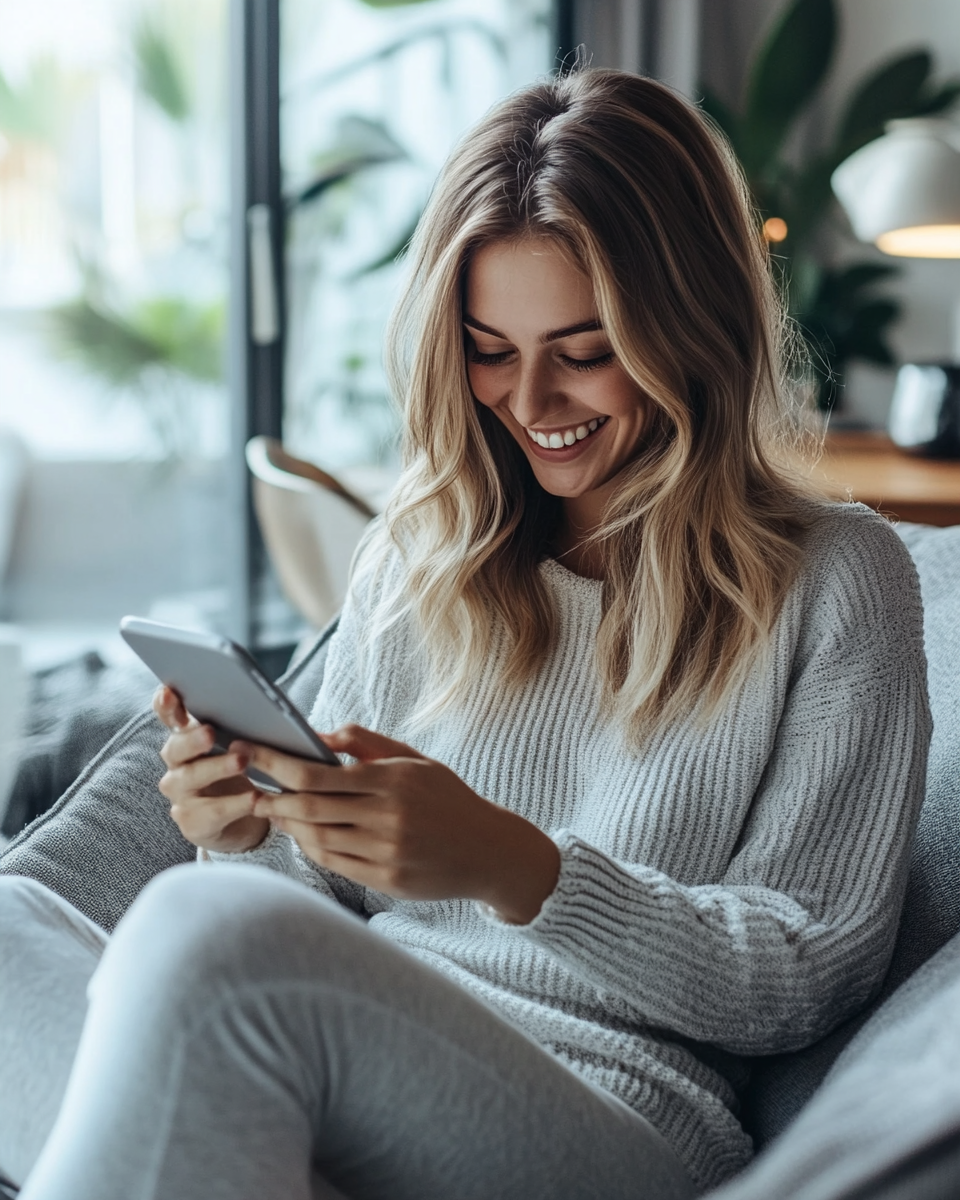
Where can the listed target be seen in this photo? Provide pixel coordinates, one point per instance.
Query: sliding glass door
(346, 109)
(114, 412)
(373, 97)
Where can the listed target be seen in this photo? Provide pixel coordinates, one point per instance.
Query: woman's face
(537, 356)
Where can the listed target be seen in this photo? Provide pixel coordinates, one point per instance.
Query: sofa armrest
(110, 832)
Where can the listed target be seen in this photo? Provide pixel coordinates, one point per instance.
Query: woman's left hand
(406, 825)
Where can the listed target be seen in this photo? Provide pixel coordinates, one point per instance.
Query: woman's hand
(211, 799)
(405, 825)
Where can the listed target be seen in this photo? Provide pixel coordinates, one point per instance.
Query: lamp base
(925, 412)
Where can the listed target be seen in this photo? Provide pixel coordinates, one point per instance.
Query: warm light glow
(922, 241)
(775, 229)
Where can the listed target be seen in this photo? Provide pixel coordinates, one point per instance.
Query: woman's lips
(564, 453)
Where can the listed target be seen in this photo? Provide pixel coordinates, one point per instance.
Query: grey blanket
(73, 710)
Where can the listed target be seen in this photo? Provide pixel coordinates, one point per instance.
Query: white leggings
(247, 1039)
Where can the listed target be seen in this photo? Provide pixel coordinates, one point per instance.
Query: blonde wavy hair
(700, 541)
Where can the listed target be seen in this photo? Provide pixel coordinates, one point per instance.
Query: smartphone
(222, 686)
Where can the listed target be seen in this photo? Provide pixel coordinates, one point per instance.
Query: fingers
(322, 840)
(299, 774)
(366, 745)
(344, 849)
(203, 820)
(316, 808)
(170, 709)
(179, 748)
(199, 774)
(351, 853)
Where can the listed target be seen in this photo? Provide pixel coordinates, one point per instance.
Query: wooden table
(869, 467)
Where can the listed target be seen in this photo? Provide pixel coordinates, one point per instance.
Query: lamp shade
(902, 191)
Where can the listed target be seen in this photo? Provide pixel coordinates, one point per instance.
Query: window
(113, 282)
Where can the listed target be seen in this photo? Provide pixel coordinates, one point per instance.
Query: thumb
(365, 745)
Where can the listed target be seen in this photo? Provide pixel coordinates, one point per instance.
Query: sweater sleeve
(279, 852)
(799, 931)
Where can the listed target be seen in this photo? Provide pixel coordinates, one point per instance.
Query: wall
(871, 31)
(96, 540)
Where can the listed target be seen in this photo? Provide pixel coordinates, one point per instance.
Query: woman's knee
(32, 916)
(205, 930)
(23, 899)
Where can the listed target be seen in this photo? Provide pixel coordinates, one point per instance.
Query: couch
(871, 1111)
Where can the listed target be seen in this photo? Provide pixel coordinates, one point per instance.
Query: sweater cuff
(569, 886)
(589, 900)
(276, 852)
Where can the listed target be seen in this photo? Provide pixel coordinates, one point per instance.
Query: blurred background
(203, 211)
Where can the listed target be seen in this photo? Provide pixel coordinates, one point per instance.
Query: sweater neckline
(570, 581)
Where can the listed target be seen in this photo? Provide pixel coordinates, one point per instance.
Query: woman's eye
(588, 364)
(488, 360)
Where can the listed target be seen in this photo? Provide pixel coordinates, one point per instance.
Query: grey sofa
(860, 1114)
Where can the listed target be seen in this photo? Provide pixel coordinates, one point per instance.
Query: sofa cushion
(73, 709)
(110, 832)
(781, 1085)
(886, 1122)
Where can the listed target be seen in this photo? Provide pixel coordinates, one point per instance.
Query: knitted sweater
(731, 890)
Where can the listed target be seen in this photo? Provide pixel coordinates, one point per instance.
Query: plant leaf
(360, 143)
(186, 336)
(808, 197)
(788, 69)
(35, 110)
(942, 98)
(167, 332)
(390, 255)
(846, 283)
(892, 90)
(101, 342)
(803, 280)
(721, 114)
(158, 72)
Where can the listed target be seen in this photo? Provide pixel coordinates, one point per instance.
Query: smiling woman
(554, 382)
(595, 284)
(637, 735)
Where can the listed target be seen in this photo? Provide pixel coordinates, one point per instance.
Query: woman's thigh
(48, 952)
(253, 1034)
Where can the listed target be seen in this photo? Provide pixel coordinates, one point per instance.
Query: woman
(638, 735)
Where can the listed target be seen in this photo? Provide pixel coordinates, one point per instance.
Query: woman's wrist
(523, 872)
(241, 837)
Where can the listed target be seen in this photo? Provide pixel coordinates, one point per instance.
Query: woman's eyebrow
(553, 335)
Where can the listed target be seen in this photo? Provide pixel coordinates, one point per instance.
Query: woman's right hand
(211, 799)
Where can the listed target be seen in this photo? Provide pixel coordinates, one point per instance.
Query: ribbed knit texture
(733, 889)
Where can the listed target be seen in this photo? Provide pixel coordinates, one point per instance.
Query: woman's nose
(533, 395)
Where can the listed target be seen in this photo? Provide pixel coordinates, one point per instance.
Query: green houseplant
(158, 345)
(840, 309)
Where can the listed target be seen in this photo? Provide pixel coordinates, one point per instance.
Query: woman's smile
(565, 444)
(539, 358)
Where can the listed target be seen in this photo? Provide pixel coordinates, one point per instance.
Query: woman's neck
(582, 515)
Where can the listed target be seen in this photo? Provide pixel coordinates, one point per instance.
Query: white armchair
(311, 524)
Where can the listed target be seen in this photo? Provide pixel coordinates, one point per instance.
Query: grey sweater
(732, 890)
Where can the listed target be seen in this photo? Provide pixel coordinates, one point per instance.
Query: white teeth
(557, 441)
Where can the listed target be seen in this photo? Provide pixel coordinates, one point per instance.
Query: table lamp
(902, 193)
